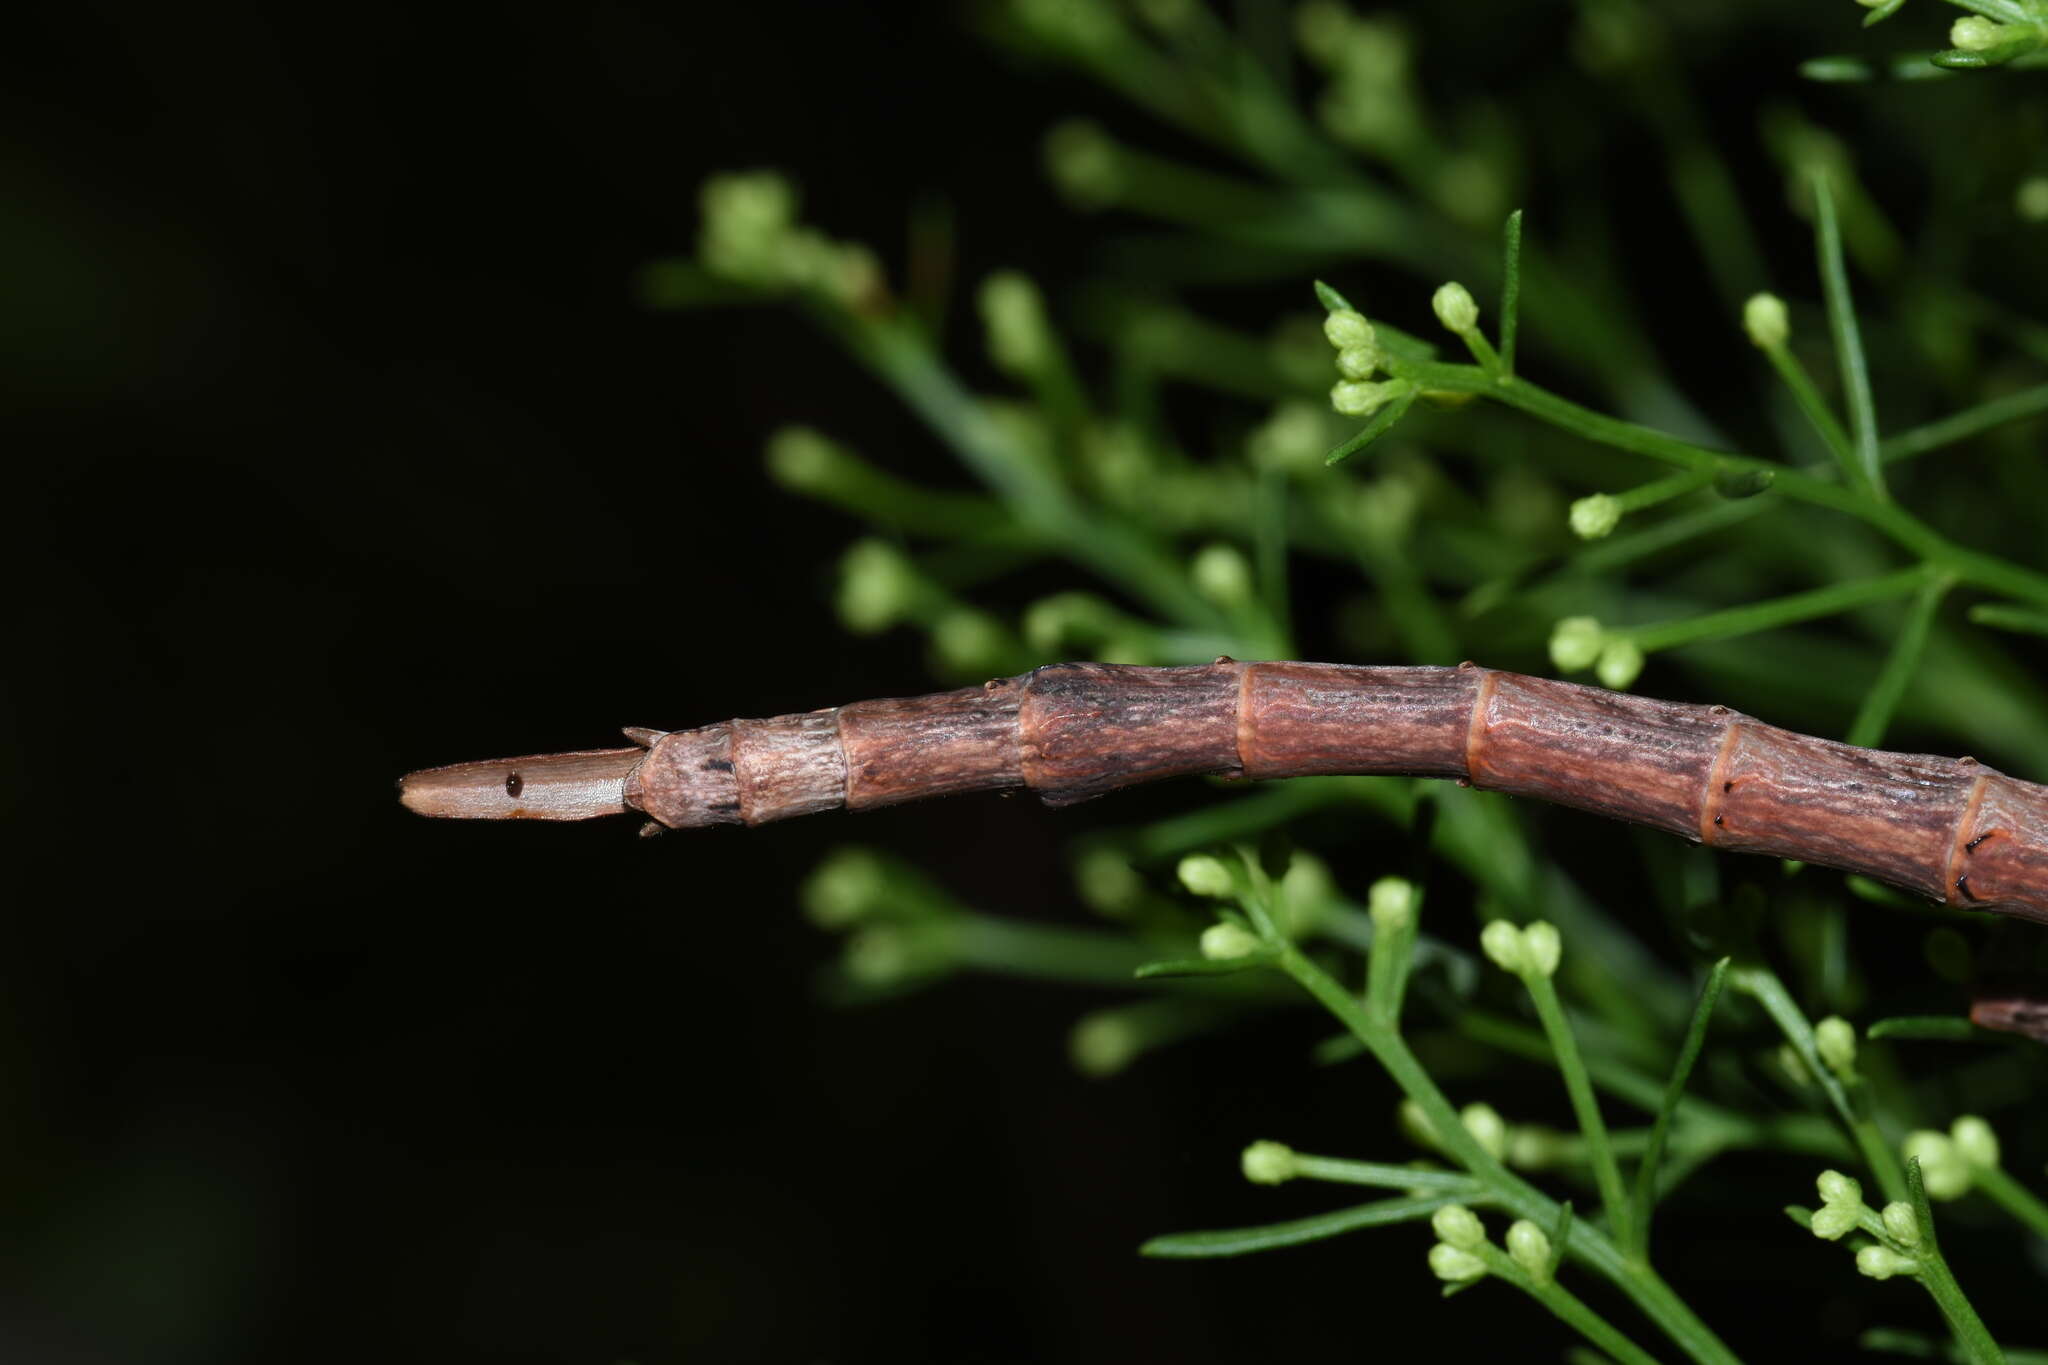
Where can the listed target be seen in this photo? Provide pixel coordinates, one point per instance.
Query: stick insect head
(578, 786)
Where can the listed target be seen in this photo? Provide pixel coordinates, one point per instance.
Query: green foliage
(1830, 577)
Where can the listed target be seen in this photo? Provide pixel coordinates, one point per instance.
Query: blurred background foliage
(354, 436)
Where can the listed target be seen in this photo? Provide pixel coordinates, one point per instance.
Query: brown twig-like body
(1948, 829)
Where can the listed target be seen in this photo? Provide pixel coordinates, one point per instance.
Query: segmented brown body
(1948, 829)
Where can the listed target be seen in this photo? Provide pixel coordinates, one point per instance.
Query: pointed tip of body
(572, 786)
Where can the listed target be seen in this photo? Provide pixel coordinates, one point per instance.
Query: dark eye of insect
(513, 785)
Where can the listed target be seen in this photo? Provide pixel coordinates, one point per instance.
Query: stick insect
(1948, 829)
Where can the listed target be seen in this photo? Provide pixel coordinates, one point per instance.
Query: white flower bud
(1532, 1147)
(1943, 1170)
(1575, 643)
(1269, 1163)
(1974, 1140)
(1221, 942)
(1455, 308)
(1458, 1226)
(967, 640)
(1595, 516)
(800, 458)
(877, 587)
(1836, 1188)
(1881, 1263)
(1085, 164)
(1412, 1121)
(1544, 945)
(1835, 1039)
(1355, 398)
(1620, 663)
(1292, 438)
(1103, 1043)
(1358, 362)
(1900, 1224)
(1505, 946)
(1107, 882)
(1206, 876)
(1013, 315)
(1347, 329)
(1455, 1266)
(1487, 1128)
(848, 886)
(1529, 1248)
(1975, 34)
(1834, 1221)
(1765, 319)
(1222, 574)
(2030, 200)
(1392, 904)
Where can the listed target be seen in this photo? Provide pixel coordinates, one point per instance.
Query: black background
(340, 447)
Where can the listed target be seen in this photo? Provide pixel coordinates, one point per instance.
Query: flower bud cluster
(1581, 642)
(1527, 952)
(750, 234)
(1359, 358)
(1949, 1161)
(1459, 1254)
(1843, 1211)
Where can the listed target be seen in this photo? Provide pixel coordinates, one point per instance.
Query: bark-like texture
(1949, 829)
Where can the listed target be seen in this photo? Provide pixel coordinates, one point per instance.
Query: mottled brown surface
(2002, 857)
(1890, 816)
(1629, 758)
(1310, 718)
(906, 748)
(687, 779)
(1946, 828)
(1085, 729)
(788, 765)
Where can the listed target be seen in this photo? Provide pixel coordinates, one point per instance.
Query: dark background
(340, 447)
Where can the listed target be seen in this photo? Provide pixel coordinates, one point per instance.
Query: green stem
(1882, 700)
(1968, 566)
(1864, 467)
(1763, 985)
(1779, 611)
(1674, 1092)
(1977, 1344)
(1640, 1283)
(1663, 490)
(1566, 1306)
(1967, 423)
(1606, 1170)
(2015, 1198)
(1812, 404)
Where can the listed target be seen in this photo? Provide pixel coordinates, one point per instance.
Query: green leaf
(2020, 620)
(1674, 1091)
(1835, 69)
(1202, 966)
(1383, 422)
(1936, 1027)
(1511, 288)
(1874, 716)
(1800, 1215)
(1269, 1236)
(1331, 299)
(1865, 466)
(1883, 12)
